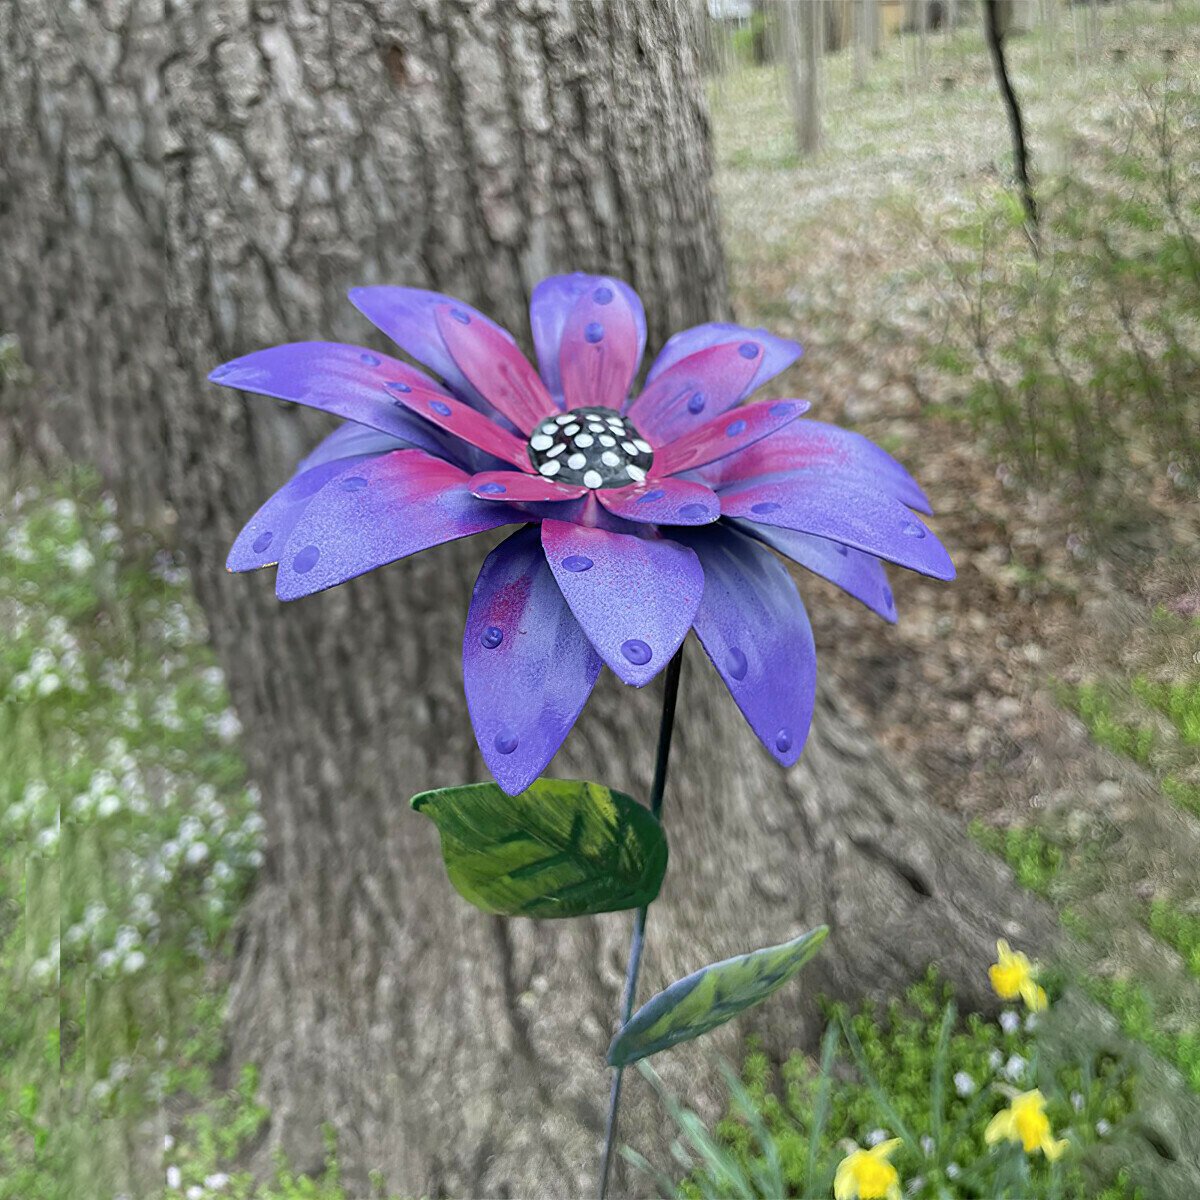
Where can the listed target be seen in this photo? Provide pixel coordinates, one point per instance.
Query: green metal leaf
(711, 996)
(561, 848)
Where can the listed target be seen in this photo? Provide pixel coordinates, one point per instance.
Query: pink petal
(517, 487)
(495, 367)
(601, 348)
(663, 502)
(725, 435)
(465, 422)
(694, 390)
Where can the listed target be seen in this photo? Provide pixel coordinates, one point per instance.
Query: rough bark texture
(183, 182)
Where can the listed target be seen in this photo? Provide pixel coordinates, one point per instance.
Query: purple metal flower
(641, 517)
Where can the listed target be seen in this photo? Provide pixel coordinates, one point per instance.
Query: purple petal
(663, 502)
(528, 668)
(550, 308)
(348, 381)
(778, 353)
(602, 344)
(379, 511)
(466, 423)
(753, 626)
(265, 534)
(517, 487)
(815, 444)
(826, 504)
(408, 317)
(635, 597)
(859, 575)
(692, 391)
(350, 439)
(495, 367)
(726, 434)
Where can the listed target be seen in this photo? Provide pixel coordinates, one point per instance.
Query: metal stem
(666, 728)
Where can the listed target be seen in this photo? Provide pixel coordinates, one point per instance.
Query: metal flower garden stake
(638, 519)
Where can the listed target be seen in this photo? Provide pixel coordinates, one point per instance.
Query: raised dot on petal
(505, 741)
(570, 430)
(305, 560)
(577, 462)
(735, 663)
(442, 409)
(842, 549)
(696, 403)
(549, 468)
(577, 563)
(734, 428)
(629, 448)
(606, 439)
(637, 652)
(635, 473)
(542, 441)
(781, 408)
(594, 332)
(555, 451)
(691, 511)
(603, 294)
(461, 317)
(913, 530)
(262, 542)
(748, 349)
(491, 489)
(609, 459)
(370, 359)
(643, 445)
(765, 506)
(783, 741)
(888, 600)
(563, 419)
(355, 483)
(398, 386)
(592, 479)
(491, 637)
(584, 440)
(656, 494)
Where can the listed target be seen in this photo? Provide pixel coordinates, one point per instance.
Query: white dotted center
(595, 447)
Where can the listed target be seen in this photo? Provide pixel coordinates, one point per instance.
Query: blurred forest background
(230, 967)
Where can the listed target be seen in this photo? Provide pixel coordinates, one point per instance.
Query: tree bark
(801, 20)
(186, 182)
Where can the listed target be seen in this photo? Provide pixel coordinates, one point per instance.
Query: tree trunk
(184, 183)
(801, 21)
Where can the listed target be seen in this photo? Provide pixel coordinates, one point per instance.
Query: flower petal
(466, 423)
(378, 511)
(348, 381)
(694, 390)
(753, 626)
(724, 435)
(265, 534)
(602, 344)
(528, 668)
(859, 575)
(494, 367)
(350, 439)
(408, 317)
(635, 597)
(663, 502)
(778, 353)
(825, 504)
(517, 487)
(814, 444)
(550, 308)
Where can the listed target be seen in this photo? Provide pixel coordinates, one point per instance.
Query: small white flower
(78, 558)
(228, 725)
(953, 1170)
(216, 1181)
(876, 1136)
(168, 1142)
(195, 1192)
(134, 962)
(1103, 1128)
(964, 1085)
(915, 1184)
(1015, 1067)
(1031, 1022)
(48, 684)
(927, 1145)
(1009, 1021)
(197, 852)
(174, 1177)
(1077, 1101)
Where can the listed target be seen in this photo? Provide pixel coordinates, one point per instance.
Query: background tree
(802, 22)
(185, 183)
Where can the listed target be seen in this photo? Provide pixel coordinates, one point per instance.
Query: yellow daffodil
(867, 1174)
(1013, 975)
(1025, 1121)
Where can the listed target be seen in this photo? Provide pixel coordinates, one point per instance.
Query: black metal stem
(665, 729)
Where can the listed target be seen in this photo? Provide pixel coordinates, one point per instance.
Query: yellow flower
(1014, 975)
(867, 1174)
(1025, 1121)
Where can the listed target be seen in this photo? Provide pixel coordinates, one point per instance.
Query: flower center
(596, 447)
